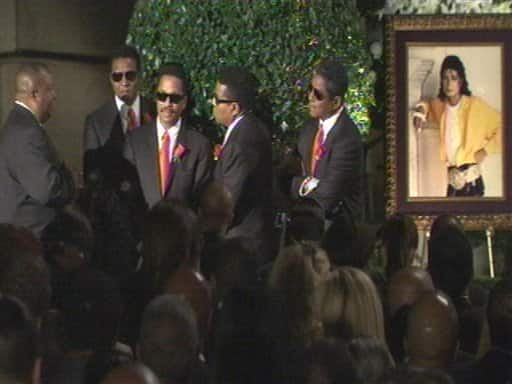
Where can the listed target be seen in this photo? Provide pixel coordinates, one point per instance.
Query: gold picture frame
(416, 174)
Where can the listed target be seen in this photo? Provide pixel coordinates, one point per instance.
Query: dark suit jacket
(245, 168)
(34, 182)
(339, 170)
(190, 174)
(103, 140)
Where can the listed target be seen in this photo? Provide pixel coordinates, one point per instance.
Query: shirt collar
(232, 126)
(173, 131)
(135, 105)
(328, 123)
(23, 105)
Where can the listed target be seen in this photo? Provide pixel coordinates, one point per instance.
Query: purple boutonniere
(179, 153)
(217, 151)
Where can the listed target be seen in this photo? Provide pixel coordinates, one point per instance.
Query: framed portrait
(449, 103)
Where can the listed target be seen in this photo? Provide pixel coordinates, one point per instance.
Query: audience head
(370, 359)
(172, 94)
(235, 93)
(349, 305)
(216, 208)
(306, 221)
(340, 241)
(328, 87)
(170, 238)
(442, 221)
(233, 266)
(133, 373)
(35, 88)
(18, 343)
(408, 375)
(24, 273)
(450, 261)
(68, 240)
(169, 341)
(499, 314)
(125, 70)
(329, 361)
(192, 286)
(91, 309)
(405, 287)
(294, 278)
(399, 238)
(432, 331)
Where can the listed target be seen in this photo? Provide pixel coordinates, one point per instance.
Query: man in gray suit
(34, 183)
(173, 161)
(106, 127)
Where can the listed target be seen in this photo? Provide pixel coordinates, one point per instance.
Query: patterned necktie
(132, 120)
(315, 151)
(165, 166)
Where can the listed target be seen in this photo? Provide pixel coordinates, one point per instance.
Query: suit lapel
(151, 163)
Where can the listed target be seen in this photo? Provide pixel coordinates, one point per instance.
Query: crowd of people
(167, 266)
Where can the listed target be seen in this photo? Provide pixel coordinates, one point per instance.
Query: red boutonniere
(320, 152)
(147, 118)
(217, 151)
(180, 152)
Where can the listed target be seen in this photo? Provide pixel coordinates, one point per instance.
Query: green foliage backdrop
(278, 40)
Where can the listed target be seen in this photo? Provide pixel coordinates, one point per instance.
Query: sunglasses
(316, 94)
(118, 76)
(174, 98)
(216, 101)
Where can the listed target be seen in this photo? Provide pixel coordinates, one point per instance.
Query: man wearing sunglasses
(244, 164)
(173, 161)
(112, 189)
(106, 128)
(330, 145)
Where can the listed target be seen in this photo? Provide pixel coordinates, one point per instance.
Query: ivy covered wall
(278, 40)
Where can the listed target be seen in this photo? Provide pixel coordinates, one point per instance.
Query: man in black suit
(105, 128)
(244, 164)
(112, 196)
(330, 145)
(34, 182)
(173, 161)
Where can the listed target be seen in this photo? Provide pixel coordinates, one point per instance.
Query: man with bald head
(35, 183)
(432, 332)
(402, 291)
(133, 373)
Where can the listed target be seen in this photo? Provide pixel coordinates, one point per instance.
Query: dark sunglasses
(118, 76)
(174, 98)
(316, 94)
(216, 101)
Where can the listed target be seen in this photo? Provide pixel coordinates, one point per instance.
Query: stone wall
(74, 38)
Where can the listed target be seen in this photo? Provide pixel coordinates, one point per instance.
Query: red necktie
(132, 119)
(315, 151)
(165, 166)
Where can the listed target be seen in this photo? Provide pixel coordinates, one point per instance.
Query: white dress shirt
(136, 108)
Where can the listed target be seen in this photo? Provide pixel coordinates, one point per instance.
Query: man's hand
(480, 155)
(419, 117)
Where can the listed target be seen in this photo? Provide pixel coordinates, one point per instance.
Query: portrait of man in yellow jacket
(469, 129)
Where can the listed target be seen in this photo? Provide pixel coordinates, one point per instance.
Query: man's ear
(237, 110)
(338, 102)
(36, 372)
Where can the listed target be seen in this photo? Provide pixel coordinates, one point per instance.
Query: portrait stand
(489, 233)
